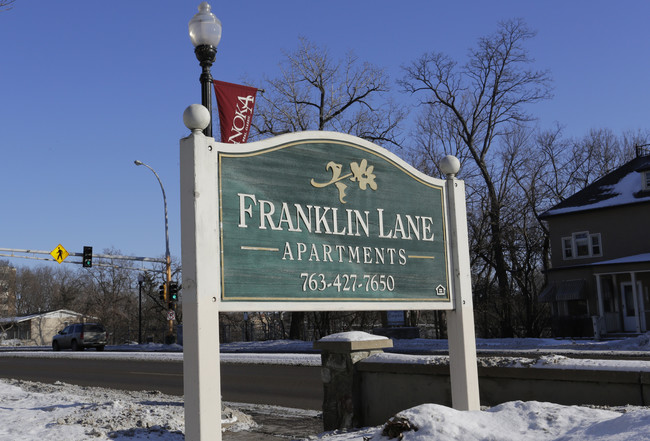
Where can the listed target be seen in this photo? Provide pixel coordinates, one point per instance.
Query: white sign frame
(202, 288)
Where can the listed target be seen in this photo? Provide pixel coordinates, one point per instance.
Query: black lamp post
(205, 33)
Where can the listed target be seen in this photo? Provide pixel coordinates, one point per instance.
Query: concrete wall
(362, 386)
(387, 388)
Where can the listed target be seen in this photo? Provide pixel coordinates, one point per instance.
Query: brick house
(599, 279)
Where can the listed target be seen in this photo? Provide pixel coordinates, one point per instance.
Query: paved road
(290, 386)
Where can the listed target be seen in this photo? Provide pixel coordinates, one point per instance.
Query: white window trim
(567, 245)
(591, 245)
(574, 245)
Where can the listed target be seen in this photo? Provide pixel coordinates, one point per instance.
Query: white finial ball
(449, 165)
(196, 117)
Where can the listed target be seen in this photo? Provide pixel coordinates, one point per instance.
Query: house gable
(627, 184)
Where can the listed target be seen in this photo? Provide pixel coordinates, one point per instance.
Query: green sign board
(329, 220)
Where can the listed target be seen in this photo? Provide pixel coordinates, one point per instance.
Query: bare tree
(563, 166)
(474, 107)
(154, 311)
(317, 92)
(550, 169)
(7, 297)
(38, 289)
(110, 296)
(6, 5)
(107, 292)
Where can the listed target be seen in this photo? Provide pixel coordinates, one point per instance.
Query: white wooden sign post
(314, 221)
(463, 371)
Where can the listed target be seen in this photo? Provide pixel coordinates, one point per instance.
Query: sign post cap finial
(449, 165)
(196, 117)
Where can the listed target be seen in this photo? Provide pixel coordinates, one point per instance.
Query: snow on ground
(34, 411)
(512, 421)
(484, 345)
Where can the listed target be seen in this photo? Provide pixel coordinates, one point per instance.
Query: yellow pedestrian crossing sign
(59, 253)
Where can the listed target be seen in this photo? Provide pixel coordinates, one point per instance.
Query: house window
(595, 244)
(646, 180)
(581, 245)
(567, 247)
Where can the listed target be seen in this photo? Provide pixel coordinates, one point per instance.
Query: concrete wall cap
(353, 336)
(352, 341)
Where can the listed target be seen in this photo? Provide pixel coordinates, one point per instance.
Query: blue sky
(88, 87)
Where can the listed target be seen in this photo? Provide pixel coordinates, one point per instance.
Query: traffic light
(87, 261)
(161, 291)
(173, 292)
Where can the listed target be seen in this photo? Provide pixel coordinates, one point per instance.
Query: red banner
(236, 104)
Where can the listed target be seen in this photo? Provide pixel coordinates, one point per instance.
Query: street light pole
(168, 261)
(140, 282)
(205, 33)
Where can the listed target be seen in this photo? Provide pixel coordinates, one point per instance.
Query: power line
(25, 254)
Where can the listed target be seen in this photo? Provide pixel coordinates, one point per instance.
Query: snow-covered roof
(59, 313)
(621, 187)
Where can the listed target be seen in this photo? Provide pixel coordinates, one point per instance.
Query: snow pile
(37, 411)
(513, 421)
(149, 347)
(562, 362)
(9, 342)
(63, 411)
(538, 361)
(640, 344)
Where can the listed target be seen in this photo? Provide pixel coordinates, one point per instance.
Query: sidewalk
(274, 423)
